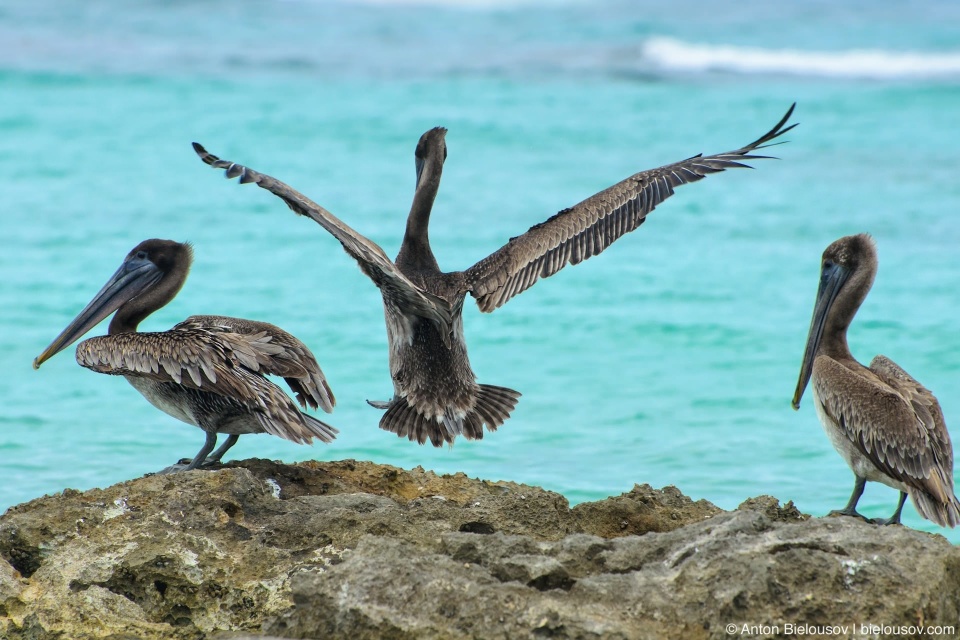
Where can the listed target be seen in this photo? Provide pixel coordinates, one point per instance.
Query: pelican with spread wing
(436, 395)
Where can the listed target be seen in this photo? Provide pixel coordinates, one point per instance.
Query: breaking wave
(668, 54)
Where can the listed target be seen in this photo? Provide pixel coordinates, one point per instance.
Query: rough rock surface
(356, 550)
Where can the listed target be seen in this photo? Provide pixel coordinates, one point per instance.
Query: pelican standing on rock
(887, 426)
(207, 371)
(436, 395)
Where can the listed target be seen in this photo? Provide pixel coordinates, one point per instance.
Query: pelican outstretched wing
(410, 298)
(586, 229)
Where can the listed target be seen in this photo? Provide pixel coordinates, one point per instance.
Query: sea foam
(676, 55)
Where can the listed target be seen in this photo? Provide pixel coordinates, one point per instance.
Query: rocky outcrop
(357, 550)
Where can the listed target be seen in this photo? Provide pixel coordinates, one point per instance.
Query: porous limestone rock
(358, 550)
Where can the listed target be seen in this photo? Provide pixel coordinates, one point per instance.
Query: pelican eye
(141, 255)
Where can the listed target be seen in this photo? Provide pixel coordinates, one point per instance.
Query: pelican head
(133, 289)
(431, 153)
(847, 270)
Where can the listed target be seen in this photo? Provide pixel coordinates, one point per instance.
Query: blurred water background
(670, 359)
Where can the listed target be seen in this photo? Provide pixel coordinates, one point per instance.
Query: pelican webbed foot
(175, 468)
(849, 512)
(851, 508)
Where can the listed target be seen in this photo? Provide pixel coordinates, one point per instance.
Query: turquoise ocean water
(670, 359)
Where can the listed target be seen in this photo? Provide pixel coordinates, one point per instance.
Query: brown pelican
(436, 395)
(886, 425)
(207, 371)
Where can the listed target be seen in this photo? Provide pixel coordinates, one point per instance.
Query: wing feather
(216, 354)
(892, 419)
(396, 287)
(924, 405)
(586, 229)
(274, 352)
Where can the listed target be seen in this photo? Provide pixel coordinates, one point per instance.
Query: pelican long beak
(132, 278)
(832, 278)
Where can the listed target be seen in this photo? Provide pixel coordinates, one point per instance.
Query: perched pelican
(207, 371)
(436, 395)
(886, 425)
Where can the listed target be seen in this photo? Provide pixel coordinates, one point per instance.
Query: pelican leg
(198, 459)
(895, 518)
(214, 458)
(851, 508)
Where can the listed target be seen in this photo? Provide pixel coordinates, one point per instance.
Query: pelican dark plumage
(207, 371)
(887, 426)
(436, 395)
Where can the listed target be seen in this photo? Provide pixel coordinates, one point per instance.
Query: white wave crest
(676, 55)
